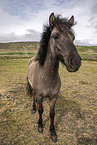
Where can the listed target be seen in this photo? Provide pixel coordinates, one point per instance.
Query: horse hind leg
(34, 105)
(30, 92)
(28, 88)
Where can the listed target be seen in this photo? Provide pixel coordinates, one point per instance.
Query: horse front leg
(52, 115)
(40, 111)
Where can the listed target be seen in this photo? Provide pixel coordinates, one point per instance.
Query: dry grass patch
(76, 107)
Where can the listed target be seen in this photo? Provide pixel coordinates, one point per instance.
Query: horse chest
(47, 87)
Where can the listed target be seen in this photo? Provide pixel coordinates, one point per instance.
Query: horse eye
(56, 37)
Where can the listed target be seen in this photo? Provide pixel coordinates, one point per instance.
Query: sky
(22, 20)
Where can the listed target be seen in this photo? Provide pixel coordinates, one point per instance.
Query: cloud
(32, 35)
(25, 18)
(9, 23)
(94, 9)
(31, 31)
(85, 42)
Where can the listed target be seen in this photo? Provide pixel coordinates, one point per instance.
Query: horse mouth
(73, 65)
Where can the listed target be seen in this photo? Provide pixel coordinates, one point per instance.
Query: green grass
(18, 53)
(76, 107)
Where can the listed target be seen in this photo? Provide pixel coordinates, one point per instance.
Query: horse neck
(51, 65)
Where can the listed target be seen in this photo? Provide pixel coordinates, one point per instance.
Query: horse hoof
(33, 111)
(54, 138)
(40, 130)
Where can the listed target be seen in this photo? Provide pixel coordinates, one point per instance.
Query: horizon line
(25, 41)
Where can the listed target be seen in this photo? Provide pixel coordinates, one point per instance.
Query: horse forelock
(62, 24)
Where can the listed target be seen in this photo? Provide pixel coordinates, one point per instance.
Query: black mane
(41, 55)
(61, 24)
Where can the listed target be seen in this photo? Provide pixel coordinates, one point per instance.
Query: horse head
(61, 42)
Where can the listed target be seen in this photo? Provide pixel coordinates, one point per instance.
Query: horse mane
(62, 25)
(41, 55)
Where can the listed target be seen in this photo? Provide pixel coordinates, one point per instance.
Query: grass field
(76, 107)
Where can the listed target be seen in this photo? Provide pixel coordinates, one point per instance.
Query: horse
(43, 79)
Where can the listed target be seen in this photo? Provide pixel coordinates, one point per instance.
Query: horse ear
(71, 21)
(51, 19)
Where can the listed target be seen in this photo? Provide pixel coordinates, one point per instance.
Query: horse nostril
(71, 63)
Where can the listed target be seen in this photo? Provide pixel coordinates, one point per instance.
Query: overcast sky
(22, 20)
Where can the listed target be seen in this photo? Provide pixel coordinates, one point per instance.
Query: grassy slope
(75, 108)
(28, 49)
(18, 50)
(88, 52)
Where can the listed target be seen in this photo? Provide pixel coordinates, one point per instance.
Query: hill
(28, 49)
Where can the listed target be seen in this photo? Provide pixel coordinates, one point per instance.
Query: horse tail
(28, 88)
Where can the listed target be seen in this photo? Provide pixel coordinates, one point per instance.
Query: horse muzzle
(73, 64)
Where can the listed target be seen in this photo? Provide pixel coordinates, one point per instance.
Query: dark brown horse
(43, 79)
